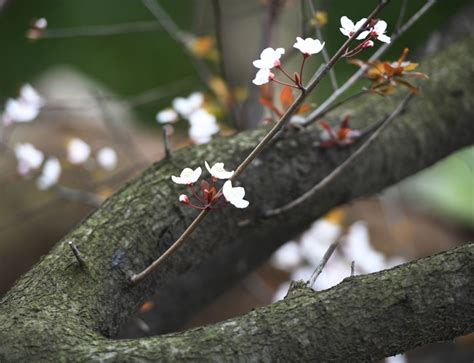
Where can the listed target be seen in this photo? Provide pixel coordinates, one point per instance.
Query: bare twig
(314, 115)
(352, 268)
(219, 34)
(98, 30)
(401, 15)
(166, 141)
(331, 176)
(322, 264)
(135, 279)
(77, 254)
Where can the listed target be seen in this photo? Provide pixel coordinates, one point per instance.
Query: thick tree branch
(58, 309)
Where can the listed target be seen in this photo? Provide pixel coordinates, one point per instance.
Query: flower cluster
(209, 196)
(24, 108)
(270, 58)
(37, 28)
(385, 76)
(203, 124)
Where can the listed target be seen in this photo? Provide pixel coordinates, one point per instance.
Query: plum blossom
(379, 30)
(40, 23)
(269, 58)
(348, 28)
(167, 116)
(78, 151)
(235, 195)
(29, 158)
(107, 158)
(203, 126)
(29, 95)
(186, 106)
(25, 108)
(308, 46)
(218, 172)
(50, 174)
(187, 176)
(263, 76)
(183, 198)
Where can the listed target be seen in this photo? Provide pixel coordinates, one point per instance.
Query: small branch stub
(80, 259)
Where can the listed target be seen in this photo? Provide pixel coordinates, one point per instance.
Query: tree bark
(59, 311)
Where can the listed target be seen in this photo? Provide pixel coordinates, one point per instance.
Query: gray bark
(57, 311)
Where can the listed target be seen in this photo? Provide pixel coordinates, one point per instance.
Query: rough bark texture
(58, 311)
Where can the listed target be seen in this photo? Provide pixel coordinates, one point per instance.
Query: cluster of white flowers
(203, 124)
(300, 258)
(348, 28)
(233, 195)
(78, 152)
(25, 108)
(270, 58)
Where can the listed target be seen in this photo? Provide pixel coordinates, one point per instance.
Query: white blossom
(50, 173)
(348, 28)
(218, 171)
(29, 95)
(183, 198)
(287, 257)
(41, 23)
(78, 151)
(235, 195)
(269, 58)
(263, 76)
(107, 158)
(308, 46)
(379, 29)
(186, 106)
(166, 116)
(17, 110)
(187, 176)
(29, 158)
(203, 126)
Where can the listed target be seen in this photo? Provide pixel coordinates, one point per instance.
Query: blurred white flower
(107, 158)
(379, 29)
(235, 195)
(29, 95)
(348, 28)
(186, 106)
(263, 76)
(77, 151)
(308, 46)
(25, 108)
(287, 257)
(203, 126)
(41, 23)
(29, 158)
(166, 116)
(187, 176)
(218, 171)
(316, 240)
(50, 174)
(183, 198)
(302, 273)
(269, 58)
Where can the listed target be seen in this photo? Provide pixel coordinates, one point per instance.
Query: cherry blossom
(203, 126)
(379, 30)
(40, 23)
(25, 108)
(29, 95)
(186, 106)
(78, 151)
(166, 116)
(50, 174)
(235, 195)
(218, 172)
(308, 46)
(348, 28)
(263, 76)
(29, 158)
(187, 176)
(183, 198)
(107, 158)
(269, 58)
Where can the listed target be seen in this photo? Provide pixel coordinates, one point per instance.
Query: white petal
(380, 27)
(166, 116)
(262, 77)
(78, 151)
(384, 38)
(50, 174)
(347, 24)
(360, 23)
(107, 158)
(363, 35)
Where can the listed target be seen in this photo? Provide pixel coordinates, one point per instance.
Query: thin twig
(401, 15)
(219, 35)
(77, 254)
(98, 30)
(135, 279)
(352, 268)
(179, 36)
(319, 35)
(314, 115)
(166, 141)
(322, 264)
(337, 171)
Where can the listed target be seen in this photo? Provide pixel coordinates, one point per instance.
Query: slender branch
(179, 36)
(319, 35)
(220, 43)
(401, 15)
(166, 141)
(327, 255)
(137, 278)
(314, 115)
(337, 171)
(77, 254)
(98, 30)
(263, 143)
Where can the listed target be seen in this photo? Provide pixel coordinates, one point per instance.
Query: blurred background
(103, 72)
